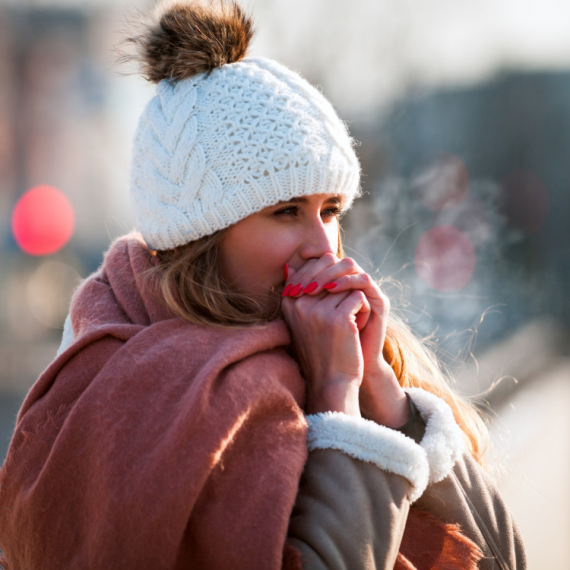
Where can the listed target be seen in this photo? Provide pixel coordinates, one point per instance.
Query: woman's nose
(319, 238)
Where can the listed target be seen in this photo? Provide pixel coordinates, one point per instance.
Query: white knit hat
(217, 146)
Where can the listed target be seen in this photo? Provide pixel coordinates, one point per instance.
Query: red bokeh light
(43, 220)
(445, 258)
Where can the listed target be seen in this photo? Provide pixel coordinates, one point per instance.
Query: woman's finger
(363, 282)
(304, 275)
(324, 304)
(326, 270)
(363, 316)
(288, 275)
(352, 305)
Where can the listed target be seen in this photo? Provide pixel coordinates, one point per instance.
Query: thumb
(363, 315)
(288, 272)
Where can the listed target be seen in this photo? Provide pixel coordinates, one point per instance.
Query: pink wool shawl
(154, 443)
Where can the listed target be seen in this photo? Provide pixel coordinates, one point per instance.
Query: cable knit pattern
(368, 441)
(443, 439)
(215, 148)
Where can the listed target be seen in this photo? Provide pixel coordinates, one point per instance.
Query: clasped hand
(337, 316)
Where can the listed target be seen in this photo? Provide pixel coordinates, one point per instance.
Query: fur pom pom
(186, 37)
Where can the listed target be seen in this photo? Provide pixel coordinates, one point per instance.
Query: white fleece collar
(366, 440)
(443, 441)
(390, 450)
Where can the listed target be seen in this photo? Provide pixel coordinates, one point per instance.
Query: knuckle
(349, 263)
(366, 279)
(310, 263)
(329, 258)
(384, 303)
(359, 295)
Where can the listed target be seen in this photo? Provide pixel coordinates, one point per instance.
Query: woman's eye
(331, 212)
(291, 211)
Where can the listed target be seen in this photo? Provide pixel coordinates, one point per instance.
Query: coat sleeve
(355, 493)
(348, 514)
(361, 478)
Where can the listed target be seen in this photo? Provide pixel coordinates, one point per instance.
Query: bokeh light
(524, 201)
(43, 221)
(442, 183)
(445, 258)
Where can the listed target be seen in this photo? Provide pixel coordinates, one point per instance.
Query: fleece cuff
(368, 441)
(443, 440)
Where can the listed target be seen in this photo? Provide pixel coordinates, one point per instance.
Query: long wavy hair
(191, 284)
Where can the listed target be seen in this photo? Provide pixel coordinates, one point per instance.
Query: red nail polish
(310, 287)
(296, 290)
(286, 271)
(286, 290)
(331, 285)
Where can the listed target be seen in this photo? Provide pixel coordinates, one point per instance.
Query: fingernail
(296, 290)
(286, 271)
(330, 285)
(310, 287)
(286, 290)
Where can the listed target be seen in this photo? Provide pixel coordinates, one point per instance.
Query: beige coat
(350, 514)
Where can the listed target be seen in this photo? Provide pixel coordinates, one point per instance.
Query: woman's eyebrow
(304, 200)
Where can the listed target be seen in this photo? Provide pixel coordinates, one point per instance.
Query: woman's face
(254, 251)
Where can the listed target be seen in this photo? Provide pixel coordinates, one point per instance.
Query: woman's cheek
(333, 232)
(276, 253)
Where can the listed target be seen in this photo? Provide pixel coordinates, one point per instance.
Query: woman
(233, 392)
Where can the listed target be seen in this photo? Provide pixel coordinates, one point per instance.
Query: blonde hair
(189, 280)
(416, 365)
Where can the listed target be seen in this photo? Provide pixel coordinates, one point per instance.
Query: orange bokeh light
(43, 220)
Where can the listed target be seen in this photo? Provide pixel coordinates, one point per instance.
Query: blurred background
(462, 112)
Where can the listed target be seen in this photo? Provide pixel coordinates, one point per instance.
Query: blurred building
(491, 162)
(65, 122)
